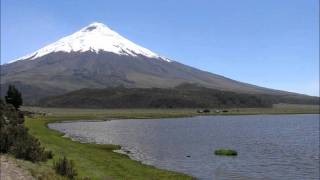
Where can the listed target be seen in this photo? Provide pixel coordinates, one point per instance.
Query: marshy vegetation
(225, 152)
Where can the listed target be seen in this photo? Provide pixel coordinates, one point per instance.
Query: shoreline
(80, 152)
(111, 148)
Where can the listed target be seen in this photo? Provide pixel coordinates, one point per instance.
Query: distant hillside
(184, 96)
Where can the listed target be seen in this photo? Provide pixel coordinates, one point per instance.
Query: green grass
(225, 152)
(92, 160)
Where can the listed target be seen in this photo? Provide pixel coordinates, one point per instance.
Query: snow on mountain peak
(94, 37)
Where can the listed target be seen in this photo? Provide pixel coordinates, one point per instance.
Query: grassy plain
(168, 113)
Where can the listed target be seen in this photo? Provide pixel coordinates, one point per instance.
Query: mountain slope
(183, 96)
(180, 97)
(97, 57)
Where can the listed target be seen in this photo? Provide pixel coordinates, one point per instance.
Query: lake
(268, 146)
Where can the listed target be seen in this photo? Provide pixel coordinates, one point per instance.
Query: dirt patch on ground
(10, 170)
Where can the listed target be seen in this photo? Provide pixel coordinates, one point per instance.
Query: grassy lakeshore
(91, 160)
(99, 161)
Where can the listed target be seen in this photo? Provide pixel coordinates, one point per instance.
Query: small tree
(13, 97)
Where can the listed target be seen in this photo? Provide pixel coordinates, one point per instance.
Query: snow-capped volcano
(97, 57)
(95, 37)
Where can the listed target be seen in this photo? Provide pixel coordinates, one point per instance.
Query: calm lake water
(269, 146)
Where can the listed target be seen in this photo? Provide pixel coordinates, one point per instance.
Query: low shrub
(48, 154)
(65, 167)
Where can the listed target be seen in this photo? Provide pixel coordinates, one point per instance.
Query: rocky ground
(10, 170)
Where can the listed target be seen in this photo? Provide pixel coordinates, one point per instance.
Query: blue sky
(271, 43)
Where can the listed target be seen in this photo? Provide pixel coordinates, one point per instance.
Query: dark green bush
(65, 167)
(27, 147)
(15, 138)
(48, 154)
